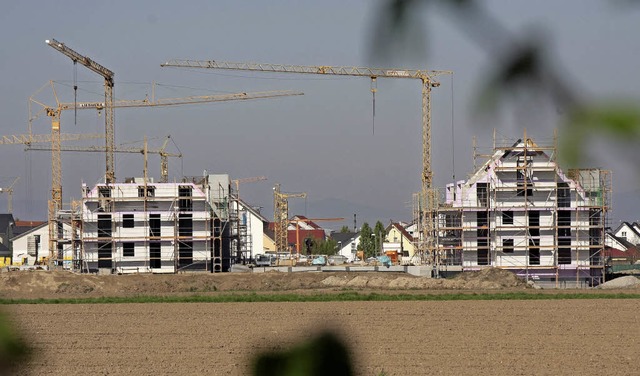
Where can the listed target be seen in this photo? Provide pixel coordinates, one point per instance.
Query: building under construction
(521, 212)
(140, 226)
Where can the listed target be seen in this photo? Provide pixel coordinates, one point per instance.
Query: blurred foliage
(324, 354)
(521, 71)
(13, 350)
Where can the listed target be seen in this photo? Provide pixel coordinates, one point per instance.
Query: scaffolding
(521, 212)
(142, 227)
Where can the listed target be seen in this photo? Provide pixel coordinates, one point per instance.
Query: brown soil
(43, 284)
(551, 337)
(400, 338)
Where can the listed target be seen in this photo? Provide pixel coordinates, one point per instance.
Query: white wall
(20, 245)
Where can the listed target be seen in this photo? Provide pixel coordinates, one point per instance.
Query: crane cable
(374, 88)
(75, 92)
(453, 144)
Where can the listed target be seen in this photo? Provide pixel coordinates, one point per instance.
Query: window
(185, 202)
(624, 234)
(128, 249)
(507, 217)
(534, 251)
(482, 191)
(104, 225)
(564, 195)
(507, 245)
(564, 255)
(155, 256)
(522, 176)
(104, 191)
(151, 191)
(104, 255)
(154, 225)
(127, 221)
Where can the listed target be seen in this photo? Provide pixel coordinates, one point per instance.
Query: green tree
(344, 229)
(325, 247)
(367, 241)
(380, 236)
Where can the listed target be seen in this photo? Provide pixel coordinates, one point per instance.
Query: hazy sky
(320, 143)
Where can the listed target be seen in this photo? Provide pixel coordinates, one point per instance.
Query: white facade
(349, 249)
(628, 232)
(157, 227)
(520, 210)
(32, 246)
(254, 223)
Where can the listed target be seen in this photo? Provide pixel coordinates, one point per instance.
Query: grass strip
(340, 297)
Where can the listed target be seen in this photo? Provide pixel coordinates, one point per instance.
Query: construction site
(518, 210)
(279, 188)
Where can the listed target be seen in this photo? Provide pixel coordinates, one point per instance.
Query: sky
(321, 143)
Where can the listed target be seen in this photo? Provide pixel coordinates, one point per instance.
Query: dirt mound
(490, 278)
(621, 283)
(51, 284)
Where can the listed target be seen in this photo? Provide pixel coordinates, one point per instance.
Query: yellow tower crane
(164, 156)
(108, 101)
(426, 243)
(281, 215)
(30, 139)
(9, 191)
(254, 179)
(55, 113)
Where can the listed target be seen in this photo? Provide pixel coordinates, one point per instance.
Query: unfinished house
(520, 211)
(140, 226)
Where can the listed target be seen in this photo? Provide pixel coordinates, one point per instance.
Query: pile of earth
(57, 284)
(621, 283)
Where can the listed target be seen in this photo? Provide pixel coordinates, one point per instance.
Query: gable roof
(624, 242)
(344, 237)
(24, 226)
(629, 226)
(29, 230)
(304, 223)
(400, 229)
(252, 211)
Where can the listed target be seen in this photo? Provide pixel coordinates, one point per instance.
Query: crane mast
(281, 215)
(428, 195)
(9, 191)
(108, 101)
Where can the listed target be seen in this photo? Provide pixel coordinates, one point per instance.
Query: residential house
(520, 211)
(32, 246)
(347, 243)
(619, 251)
(249, 230)
(399, 240)
(6, 233)
(629, 232)
(142, 226)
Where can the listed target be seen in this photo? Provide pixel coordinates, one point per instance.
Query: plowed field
(502, 337)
